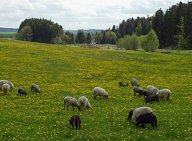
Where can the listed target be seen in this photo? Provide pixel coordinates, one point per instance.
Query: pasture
(7, 34)
(72, 71)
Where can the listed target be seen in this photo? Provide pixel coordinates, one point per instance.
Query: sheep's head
(130, 115)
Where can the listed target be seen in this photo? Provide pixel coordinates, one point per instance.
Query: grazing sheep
(75, 120)
(121, 84)
(71, 101)
(152, 89)
(147, 118)
(152, 98)
(164, 94)
(97, 91)
(21, 92)
(35, 88)
(140, 91)
(134, 114)
(5, 88)
(84, 102)
(8, 82)
(134, 82)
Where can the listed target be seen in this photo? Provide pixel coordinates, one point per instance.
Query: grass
(7, 34)
(65, 70)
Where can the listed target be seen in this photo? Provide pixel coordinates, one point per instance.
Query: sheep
(35, 89)
(8, 82)
(152, 98)
(140, 91)
(71, 101)
(84, 102)
(134, 114)
(121, 84)
(164, 94)
(21, 92)
(147, 118)
(134, 82)
(75, 119)
(152, 89)
(5, 88)
(98, 91)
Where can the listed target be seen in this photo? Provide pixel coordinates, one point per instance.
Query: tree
(124, 42)
(180, 37)
(138, 29)
(158, 25)
(26, 33)
(134, 42)
(150, 41)
(89, 38)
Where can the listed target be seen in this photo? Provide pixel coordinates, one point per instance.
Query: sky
(79, 14)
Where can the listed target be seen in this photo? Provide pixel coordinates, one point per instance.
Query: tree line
(172, 27)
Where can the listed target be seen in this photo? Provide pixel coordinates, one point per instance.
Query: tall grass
(65, 70)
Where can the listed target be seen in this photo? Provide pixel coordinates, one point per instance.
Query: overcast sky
(79, 14)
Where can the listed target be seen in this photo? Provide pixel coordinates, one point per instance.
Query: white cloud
(79, 14)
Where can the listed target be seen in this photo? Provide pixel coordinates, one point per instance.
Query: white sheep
(164, 94)
(71, 101)
(134, 114)
(98, 91)
(5, 88)
(35, 88)
(84, 102)
(7, 82)
(134, 82)
(152, 90)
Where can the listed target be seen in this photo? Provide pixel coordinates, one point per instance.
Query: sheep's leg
(73, 107)
(67, 107)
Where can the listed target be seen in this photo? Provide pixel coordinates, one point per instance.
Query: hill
(2, 29)
(74, 71)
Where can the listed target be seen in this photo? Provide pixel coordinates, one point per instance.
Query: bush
(150, 42)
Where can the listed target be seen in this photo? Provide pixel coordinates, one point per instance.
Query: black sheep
(143, 93)
(121, 84)
(75, 120)
(21, 92)
(152, 98)
(147, 118)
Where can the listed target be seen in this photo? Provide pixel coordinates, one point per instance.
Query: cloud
(79, 14)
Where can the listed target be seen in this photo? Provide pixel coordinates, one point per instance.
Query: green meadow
(7, 34)
(74, 71)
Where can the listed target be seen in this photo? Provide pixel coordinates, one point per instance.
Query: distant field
(74, 71)
(7, 34)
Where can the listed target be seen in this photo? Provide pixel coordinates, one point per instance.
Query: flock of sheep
(139, 116)
(144, 115)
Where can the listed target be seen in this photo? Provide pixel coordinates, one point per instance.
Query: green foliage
(150, 42)
(134, 42)
(129, 42)
(43, 30)
(26, 33)
(63, 70)
(180, 37)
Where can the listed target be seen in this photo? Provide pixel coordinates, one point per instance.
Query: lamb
(164, 94)
(75, 120)
(134, 82)
(152, 98)
(8, 82)
(121, 84)
(5, 88)
(84, 102)
(98, 91)
(147, 118)
(134, 114)
(152, 89)
(71, 101)
(140, 91)
(21, 92)
(35, 88)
